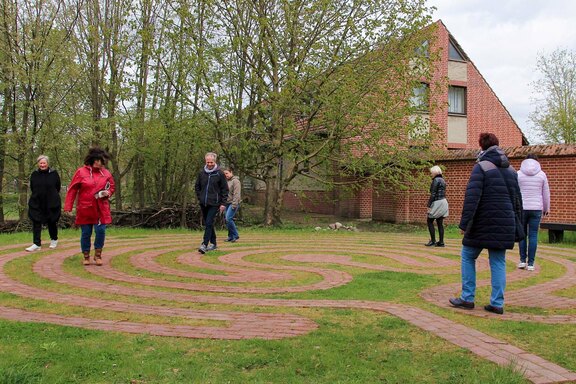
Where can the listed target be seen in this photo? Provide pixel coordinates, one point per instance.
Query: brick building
(468, 106)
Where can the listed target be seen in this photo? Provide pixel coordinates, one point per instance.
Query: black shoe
(493, 309)
(230, 240)
(459, 303)
(430, 243)
(440, 244)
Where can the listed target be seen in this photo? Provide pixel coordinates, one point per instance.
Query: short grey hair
(436, 170)
(211, 154)
(42, 157)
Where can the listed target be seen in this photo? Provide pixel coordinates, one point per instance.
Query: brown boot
(86, 260)
(98, 256)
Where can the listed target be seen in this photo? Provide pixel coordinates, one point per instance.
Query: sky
(504, 39)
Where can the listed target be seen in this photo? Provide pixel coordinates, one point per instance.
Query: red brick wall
(410, 206)
(561, 172)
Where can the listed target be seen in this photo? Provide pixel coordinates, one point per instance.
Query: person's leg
(37, 233)
(440, 222)
(230, 224)
(431, 230)
(210, 232)
(206, 238)
(497, 259)
(522, 245)
(100, 238)
(53, 230)
(468, 266)
(532, 234)
(86, 234)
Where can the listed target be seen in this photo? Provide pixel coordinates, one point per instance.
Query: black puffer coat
(437, 189)
(45, 204)
(488, 214)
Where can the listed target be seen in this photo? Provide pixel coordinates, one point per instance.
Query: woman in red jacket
(93, 184)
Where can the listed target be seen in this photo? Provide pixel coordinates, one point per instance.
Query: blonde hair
(436, 170)
(212, 155)
(42, 157)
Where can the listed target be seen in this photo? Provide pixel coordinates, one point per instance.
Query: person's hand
(462, 231)
(545, 213)
(222, 208)
(68, 213)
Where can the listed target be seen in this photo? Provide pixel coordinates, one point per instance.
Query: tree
(555, 112)
(317, 89)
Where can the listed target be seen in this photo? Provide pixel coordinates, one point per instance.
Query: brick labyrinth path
(234, 271)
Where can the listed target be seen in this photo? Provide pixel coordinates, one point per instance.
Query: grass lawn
(348, 346)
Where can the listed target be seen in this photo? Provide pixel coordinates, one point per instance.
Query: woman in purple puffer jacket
(536, 204)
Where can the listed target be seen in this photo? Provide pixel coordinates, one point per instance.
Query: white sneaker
(530, 268)
(521, 265)
(53, 244)
(33, 248)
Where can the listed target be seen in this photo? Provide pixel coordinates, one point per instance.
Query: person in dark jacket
(45, 204)
(491, 212)
(212, 192)
(437, 207)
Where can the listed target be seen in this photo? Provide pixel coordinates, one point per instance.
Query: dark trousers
(440, 222)
(209, 216)
(37, 232)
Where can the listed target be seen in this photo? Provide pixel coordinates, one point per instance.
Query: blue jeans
(86, 229)
(209, 215)
(530, 243)
(230, 224)
(497, 259)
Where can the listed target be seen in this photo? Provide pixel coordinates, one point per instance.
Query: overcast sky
(504, 38)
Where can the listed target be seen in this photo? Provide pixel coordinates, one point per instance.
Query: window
(422, 50)
(419, 98)
(454, 53)
(457, 100)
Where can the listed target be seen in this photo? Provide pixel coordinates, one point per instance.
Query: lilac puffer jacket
(534, 186)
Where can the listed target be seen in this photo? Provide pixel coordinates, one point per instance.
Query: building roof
(552, 150)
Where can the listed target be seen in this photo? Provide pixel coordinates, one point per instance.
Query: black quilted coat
(491, 203)
(45, 204)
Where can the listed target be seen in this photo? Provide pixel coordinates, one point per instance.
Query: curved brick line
(232, 333)
(259, 325)
(541, 295)
(347, 261)
(146, 260)
(330, 278)
(530, 296)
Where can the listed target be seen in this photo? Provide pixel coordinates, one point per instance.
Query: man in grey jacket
(232, 204)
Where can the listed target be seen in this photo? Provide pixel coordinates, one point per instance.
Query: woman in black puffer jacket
(492, 208)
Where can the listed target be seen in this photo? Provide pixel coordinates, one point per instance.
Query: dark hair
(487, 140)
(96, 153)
(532, 156)
(229, 169)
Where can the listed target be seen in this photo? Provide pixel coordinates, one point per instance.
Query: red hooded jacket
(87, 181)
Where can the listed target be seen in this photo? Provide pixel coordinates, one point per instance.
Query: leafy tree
(555, 111)
(317, 89)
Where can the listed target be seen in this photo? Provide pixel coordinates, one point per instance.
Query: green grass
(350, 346)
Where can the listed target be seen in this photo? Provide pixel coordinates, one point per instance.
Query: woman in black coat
(491, 219)
(437, 206)
(45, 204)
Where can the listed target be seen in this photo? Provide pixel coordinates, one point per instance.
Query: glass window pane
(457, 100)
(453, 53)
